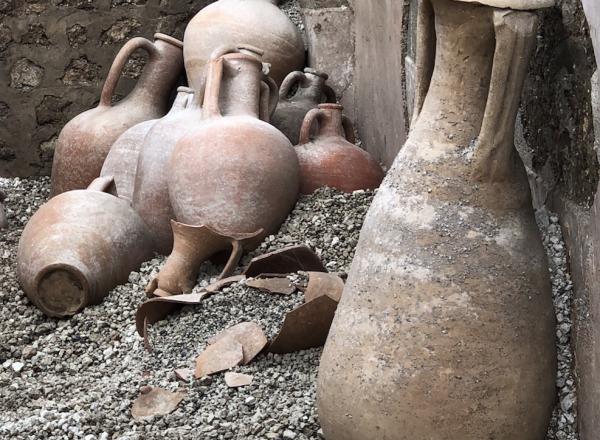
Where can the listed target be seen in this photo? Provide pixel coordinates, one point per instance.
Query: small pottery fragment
(291, 110)
(85, 141)
(320, 284)
(331, 159)
(223, 355)
(306, 326)
(236, 380)
(279, 285)
(249, 334)
(154, 401)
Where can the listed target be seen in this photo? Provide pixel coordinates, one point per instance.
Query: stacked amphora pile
(212, 174)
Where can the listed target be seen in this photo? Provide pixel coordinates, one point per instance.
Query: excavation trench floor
(77, 378)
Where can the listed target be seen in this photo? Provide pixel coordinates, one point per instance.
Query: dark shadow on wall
(556, 102)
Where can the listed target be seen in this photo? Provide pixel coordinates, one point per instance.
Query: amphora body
(259, 23)
(151, 194)
(310, 92)
(331, 158)
(85, 141)
(235, 177)
(78, 246)
(446, 329)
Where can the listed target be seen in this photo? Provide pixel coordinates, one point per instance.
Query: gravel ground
(77, 378)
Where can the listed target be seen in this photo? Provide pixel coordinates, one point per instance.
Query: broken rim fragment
(278, 285)
(154, 401)
(284, 261)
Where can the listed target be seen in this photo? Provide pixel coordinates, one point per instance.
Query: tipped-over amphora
(78, 246)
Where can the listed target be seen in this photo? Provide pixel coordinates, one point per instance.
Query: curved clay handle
(212, 91)
(330, 96)
(118, 64)
(348, 129)
(269, 98)
(307, 124)
(289, 82)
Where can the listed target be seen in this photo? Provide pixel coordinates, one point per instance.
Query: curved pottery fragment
(77, 247)
(446, 328)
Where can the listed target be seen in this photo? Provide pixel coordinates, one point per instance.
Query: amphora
(85, 141)
(78, 246)
(331, 158)
(310, 91)
(446, 328)
(259, 23)
(151, 193)
(235, 177)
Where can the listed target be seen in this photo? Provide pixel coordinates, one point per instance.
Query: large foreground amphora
(85, 141)
(446, 330)
(234, 178)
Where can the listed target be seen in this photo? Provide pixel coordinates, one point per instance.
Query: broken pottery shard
(184, 374)
(156, 309)
(320, 284)
(155, 402)
(220, 356)
(306, 326)
(288, 260)
(235, 380)
(249, 334)
(278, 285)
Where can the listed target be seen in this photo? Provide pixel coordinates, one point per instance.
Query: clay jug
(259, 23)
(331, 158)
(77, 247)
(235, 174)
(291, 110)
(151, 194)
(446, 327)
(85, 141)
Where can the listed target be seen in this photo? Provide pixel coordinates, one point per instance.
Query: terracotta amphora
(259, 23)
(291, 110)
(85, 141)
(331, 158)
(78, 246)
(151, 194)
(235, 174)
(446, 328)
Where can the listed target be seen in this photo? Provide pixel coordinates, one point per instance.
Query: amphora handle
(317, 114)
(112, 79)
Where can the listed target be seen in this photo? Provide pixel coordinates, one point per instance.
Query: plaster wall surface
(379, 77)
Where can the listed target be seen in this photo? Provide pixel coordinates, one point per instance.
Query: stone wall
(54, 55)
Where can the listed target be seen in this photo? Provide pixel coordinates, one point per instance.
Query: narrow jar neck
(330, 123)
(241, 88)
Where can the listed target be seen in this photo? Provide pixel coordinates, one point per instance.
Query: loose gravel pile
(77, 378)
